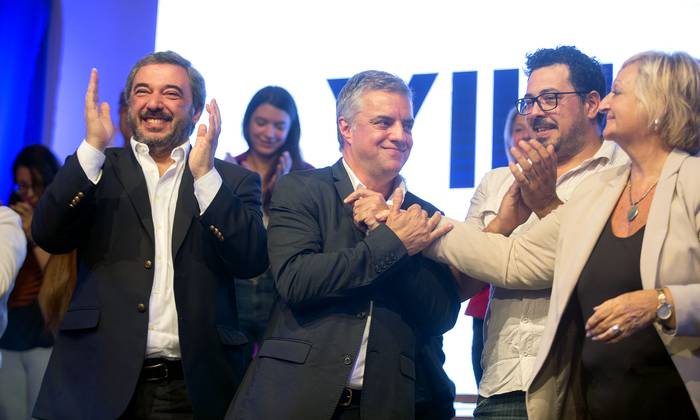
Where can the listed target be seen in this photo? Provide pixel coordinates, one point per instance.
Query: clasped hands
(413, 226)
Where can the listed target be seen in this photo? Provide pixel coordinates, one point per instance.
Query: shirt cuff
(205, 189)
(91, 160)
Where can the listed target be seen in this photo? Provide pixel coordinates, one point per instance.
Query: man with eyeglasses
(564, 90)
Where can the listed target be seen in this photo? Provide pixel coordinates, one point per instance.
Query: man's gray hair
(346, 105)
(199, 91)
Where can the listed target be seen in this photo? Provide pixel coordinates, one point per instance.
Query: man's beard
(571, 142)
(180, 133)
(568, 143)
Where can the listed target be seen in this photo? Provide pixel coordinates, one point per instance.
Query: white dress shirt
(515, 319)
(358, 370)
(163, 339)
(13, 250)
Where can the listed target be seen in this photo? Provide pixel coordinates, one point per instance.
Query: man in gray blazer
(356, 294)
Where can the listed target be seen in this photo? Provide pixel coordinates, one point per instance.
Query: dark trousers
(161, 400)
(347, 413)
(477, 348)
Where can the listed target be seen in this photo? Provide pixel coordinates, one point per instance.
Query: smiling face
(626, 119)
(268, 129)
(564, 126)
(161, 114)
(378, 140)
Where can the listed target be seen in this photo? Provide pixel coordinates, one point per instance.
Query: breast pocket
(407, 367)
(80, 319)
(287, 350)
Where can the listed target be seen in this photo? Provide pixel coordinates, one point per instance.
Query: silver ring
(615, 330)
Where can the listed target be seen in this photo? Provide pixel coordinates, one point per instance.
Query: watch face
(664, 311)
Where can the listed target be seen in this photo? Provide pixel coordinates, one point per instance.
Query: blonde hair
(668, 87)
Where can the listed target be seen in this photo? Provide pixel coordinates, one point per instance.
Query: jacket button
(347, 360)
(141, 307)
(148, 264)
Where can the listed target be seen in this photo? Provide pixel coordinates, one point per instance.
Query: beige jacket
(557, 250)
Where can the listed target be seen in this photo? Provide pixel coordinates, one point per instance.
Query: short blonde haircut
(668, 87)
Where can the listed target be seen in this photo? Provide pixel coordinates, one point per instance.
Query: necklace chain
(634, 210)
(634, 203)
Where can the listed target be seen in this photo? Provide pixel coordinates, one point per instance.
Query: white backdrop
(241, 46)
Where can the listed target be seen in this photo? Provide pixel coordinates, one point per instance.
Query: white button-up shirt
(358, 370)
(163, 339)
(515, 319)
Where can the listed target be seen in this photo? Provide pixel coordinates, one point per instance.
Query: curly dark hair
(585, 73)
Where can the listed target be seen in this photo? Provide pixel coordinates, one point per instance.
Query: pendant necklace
(634, 210)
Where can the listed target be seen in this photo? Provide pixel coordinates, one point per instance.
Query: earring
(656, 124)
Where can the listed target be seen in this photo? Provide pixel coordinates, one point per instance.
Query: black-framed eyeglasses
(546, 101)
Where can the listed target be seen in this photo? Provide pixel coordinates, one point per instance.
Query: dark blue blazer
(327, 272)
(101, 344)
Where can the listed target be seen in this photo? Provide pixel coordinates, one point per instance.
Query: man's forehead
(162, 74)
(379, 101)
(553, 77)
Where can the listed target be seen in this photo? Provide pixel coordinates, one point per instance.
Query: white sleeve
(205, 189)
(13, 248)
(522, 262)
(91, 160)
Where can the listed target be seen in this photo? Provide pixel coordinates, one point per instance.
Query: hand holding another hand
(413, 227)
(369, 209)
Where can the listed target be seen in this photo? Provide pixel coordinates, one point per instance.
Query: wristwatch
(664, 310)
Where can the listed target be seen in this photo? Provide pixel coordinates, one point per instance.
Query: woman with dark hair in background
(26, 344)
(272, 130)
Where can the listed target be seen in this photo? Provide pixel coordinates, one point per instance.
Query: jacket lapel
(658, 219)
(130, 174)
(186, 209)
(343, 187)
(592, 212)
